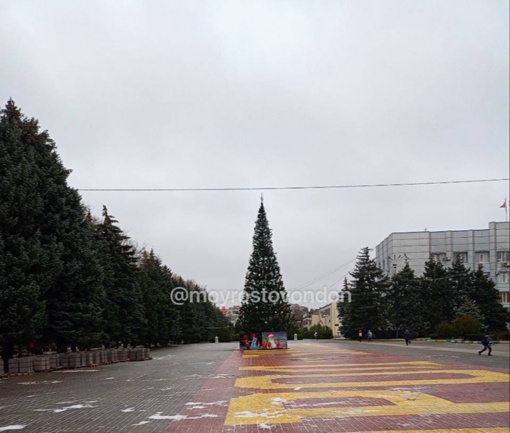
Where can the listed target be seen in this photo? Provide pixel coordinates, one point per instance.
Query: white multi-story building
(487, 247)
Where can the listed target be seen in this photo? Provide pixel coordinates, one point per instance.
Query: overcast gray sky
(217, 94)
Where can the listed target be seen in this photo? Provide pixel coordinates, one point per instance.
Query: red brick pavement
(319, 380)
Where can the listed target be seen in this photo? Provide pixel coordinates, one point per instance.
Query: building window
(482, 257)
(460, 257)
(503, 256)
(439, 257)
(504, 297)
(504, 277)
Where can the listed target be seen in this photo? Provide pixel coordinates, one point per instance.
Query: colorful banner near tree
(262, 340)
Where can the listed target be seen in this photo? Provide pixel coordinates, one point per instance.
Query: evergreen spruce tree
(50, 285)
(192, 319)
(264, 306)
(405, 302)
(29, 259)
(343, 300)
(150, 282)
(162, 316)
(169, 315)
(343, 306)
(486, 297)
(435, 289)
(368, 307)
(76, 299)
(460, 286)
(469, 308)
(199, 316)
(124, 306)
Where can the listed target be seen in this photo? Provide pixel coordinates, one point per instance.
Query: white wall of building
(487, 247)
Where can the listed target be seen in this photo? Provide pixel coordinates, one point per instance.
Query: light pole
(395, 259)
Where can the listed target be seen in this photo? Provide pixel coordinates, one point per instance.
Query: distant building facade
(232, 314)
(310, 320)
(487, 247)
(325, 316)
(299, 312)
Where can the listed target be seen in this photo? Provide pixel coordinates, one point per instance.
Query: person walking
(369, 335)
(316, 335)
(360, 335)
(487, 343)
(407, 337)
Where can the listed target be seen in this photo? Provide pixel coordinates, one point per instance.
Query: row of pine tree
(69, 279)
(72, 280)
(441, 302)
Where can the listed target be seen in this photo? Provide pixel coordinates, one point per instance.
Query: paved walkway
(140, 396)
(320, 387)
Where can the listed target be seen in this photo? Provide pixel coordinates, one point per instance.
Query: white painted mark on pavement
(64, 409)
(12, 427)
(181, 417)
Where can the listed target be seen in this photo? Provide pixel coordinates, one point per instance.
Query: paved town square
(314, 386)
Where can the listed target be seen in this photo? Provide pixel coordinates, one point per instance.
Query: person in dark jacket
(407, 337)
(487, 343)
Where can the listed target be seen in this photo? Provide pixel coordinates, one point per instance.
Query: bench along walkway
(323, 387)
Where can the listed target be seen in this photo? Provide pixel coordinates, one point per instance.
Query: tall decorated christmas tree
(265, 306)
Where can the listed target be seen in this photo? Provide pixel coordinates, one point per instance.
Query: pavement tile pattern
(141, 397)
(328, 388)
(313, 387)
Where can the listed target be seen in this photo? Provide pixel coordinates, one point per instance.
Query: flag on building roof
(504, 204)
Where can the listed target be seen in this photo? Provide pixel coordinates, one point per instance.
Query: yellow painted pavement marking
(349, 367)
(266, 382)
(324, 355)
(307, 354)
(269, 408)
(281, 407)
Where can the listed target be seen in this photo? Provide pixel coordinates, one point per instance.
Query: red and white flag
(503, 205)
